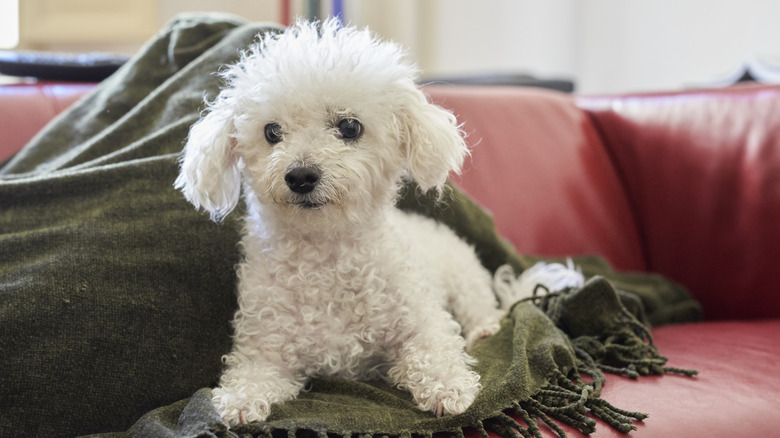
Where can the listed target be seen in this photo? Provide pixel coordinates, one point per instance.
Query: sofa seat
(735, 394)
(730, 396)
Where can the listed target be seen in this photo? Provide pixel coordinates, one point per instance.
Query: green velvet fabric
(116, 295)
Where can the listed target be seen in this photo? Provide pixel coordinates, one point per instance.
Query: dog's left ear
(433, 142)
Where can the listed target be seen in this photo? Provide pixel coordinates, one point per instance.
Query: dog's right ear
(210, 174)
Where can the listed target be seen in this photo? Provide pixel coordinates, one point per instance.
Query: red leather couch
(686, 184)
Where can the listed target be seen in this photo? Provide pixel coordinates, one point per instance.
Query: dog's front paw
(235, 408)
(454, 401)
(450, 398)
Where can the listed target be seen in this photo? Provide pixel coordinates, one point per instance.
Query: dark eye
(350, 129)
(273, 133)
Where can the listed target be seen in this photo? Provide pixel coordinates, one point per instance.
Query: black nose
(302, 179)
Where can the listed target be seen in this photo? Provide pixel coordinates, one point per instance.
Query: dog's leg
(434, 367)
(471, 298)
(486, 322)
(248, 388)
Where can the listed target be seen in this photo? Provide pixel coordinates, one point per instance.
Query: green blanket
(116, 295)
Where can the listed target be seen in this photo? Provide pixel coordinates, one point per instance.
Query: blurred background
(599, 46)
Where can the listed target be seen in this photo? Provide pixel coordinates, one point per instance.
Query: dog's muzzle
(302, 179)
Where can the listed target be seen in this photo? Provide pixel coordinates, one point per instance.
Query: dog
(318, 126)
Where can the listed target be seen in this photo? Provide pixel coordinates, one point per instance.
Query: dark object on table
(508, 79)
(55, 66)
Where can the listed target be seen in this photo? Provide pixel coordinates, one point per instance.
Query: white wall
(457, 37)
(667, 44)
(253, 10)
(504, 36)
(603, 45)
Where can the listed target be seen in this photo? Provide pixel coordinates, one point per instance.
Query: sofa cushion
(26, 108)
(702, 174)
(731, 396)
(539, 166)
(735, 393)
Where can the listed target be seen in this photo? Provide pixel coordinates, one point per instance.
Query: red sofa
(686, 184)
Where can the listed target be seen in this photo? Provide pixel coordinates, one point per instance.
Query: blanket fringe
(629, 352)
(564, 400)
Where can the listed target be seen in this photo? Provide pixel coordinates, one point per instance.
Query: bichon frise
(321, 124)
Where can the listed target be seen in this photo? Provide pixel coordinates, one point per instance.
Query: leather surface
(736, 393)
(539, 167)
(702, 172)
(699, 174)
(26, 108)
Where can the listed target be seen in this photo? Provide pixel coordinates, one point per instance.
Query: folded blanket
(116, 296)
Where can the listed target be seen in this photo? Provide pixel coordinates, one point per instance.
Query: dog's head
(318, 120)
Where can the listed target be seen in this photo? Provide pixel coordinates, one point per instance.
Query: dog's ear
(210, 175)
(433, 141)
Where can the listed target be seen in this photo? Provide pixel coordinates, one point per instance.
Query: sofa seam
(623, 180)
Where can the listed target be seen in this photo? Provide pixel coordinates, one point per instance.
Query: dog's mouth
(309, 205)
(308, 202)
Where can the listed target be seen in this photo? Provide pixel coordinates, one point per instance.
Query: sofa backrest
(684, 184)
(539, 166)
(702, 172)
(26, 108)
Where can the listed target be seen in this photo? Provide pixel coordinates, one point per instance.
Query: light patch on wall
(9, 24)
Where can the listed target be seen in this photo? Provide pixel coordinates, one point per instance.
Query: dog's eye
(273, 133)
(350, 129)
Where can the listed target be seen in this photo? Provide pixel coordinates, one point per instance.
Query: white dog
(321, 123)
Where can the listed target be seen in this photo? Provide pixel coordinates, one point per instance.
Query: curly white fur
(335, 280)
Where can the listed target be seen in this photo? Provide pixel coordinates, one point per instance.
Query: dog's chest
(336, 309)
(340, 294)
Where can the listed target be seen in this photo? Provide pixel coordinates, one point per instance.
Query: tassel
(553, 277)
